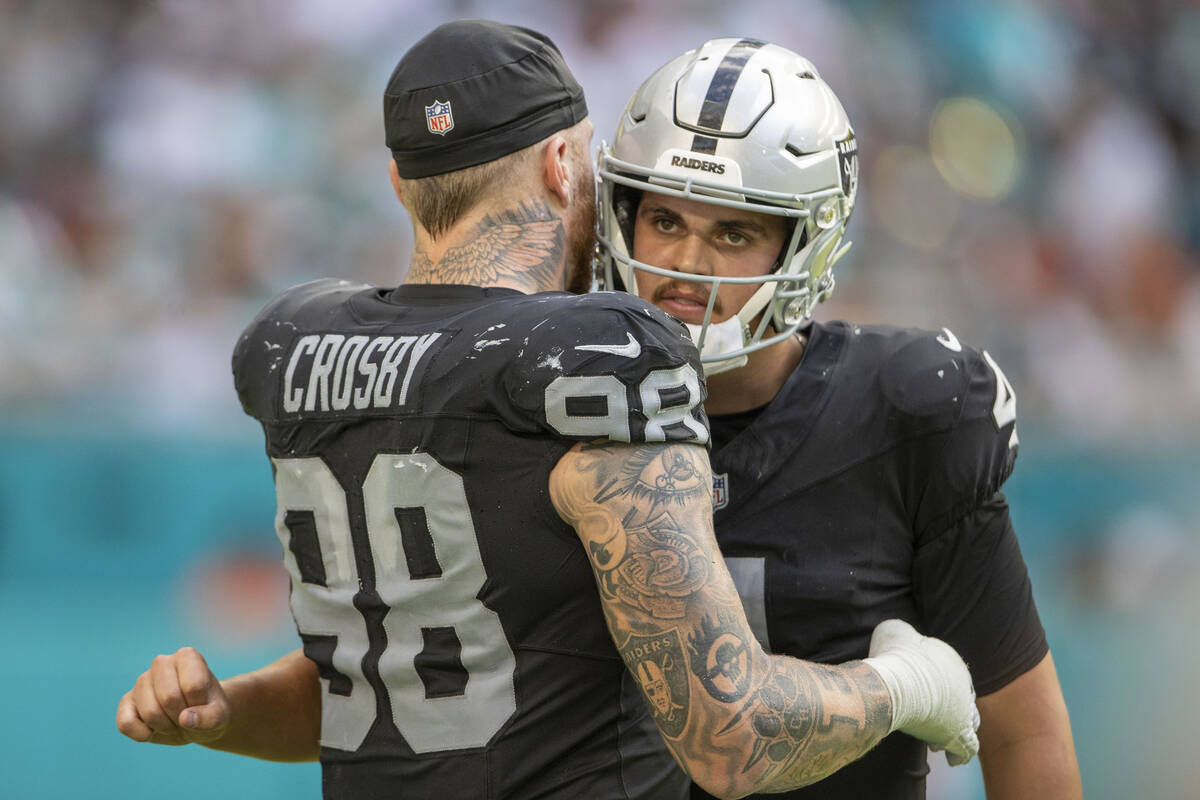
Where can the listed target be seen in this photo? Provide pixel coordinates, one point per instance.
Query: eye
(735, 237)
(666, 224)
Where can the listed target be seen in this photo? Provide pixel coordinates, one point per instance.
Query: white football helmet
(744, 124)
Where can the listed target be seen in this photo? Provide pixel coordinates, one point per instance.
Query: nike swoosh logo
(950, 341)
(631, 349)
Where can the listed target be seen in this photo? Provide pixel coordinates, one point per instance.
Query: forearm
(1040, 766)
(747, 721)
(1025, 744)
(803, 723)
(737, 719)
(275, 711)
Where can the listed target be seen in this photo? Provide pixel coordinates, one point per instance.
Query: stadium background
(1029, 179)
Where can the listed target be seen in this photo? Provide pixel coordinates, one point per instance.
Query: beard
(581, 243)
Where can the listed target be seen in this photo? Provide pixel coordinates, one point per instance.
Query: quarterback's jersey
(452, 615)
(869, 488)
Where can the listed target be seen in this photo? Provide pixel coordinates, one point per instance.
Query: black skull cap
(472, 91)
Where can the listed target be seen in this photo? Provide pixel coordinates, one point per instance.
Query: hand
(177, 701)
(932, 695)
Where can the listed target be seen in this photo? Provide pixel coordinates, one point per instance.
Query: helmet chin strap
(722, 337)
(730, 335)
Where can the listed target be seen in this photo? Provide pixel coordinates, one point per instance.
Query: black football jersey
(452, 615)
(869, 488)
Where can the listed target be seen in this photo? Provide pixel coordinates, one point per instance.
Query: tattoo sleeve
(737, 719)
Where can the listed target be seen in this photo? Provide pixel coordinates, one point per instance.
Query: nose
(691, 255)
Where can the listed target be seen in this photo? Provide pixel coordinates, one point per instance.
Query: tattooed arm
(737, 719)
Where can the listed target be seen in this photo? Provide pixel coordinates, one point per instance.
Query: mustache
(700, 292)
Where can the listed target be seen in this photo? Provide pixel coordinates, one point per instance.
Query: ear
(556, 169)
(395, 175)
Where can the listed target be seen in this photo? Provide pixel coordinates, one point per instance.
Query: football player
(493, 502)
(857, 468)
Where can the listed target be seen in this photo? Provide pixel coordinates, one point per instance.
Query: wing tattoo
(524, 242)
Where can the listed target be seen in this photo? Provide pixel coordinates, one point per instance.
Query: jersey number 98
(599, 406)
(416, 604)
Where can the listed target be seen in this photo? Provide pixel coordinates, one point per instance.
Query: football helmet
(744, 124)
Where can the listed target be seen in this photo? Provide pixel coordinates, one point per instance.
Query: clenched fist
(177, 701)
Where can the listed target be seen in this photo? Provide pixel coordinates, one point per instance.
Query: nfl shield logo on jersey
(438, 117)
(720, 491)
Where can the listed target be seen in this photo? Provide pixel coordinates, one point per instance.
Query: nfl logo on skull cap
(438, 117)
(720, 494)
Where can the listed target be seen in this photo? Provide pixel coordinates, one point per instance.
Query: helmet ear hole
(785, 250)
(625, 202)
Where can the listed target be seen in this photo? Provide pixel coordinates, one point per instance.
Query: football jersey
(453, 617)
(869, 488)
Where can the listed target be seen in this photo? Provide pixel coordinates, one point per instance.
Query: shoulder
(952, 402)
(306, 303)
(601, 319)
(928, 376)
(608, 365)
(302, 307)
(290, 314)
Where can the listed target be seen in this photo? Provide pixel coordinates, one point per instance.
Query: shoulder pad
(611, 365)
(926, 374)
(308, 301)
(941, 385)
(589, 326)
(302, 306)
(265, 340)
(935, 378)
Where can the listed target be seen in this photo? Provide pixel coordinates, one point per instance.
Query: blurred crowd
(1030, 179)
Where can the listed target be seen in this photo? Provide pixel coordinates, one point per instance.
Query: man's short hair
(439, 201)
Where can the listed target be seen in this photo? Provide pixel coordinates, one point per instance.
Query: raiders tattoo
(658, 663)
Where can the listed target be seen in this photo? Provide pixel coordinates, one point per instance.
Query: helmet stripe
(704, 144)
(720, 89)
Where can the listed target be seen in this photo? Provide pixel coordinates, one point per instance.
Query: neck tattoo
(523, 245)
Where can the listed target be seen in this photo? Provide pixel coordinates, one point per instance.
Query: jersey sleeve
(609, 366)
(973, 591)
(970, 581)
